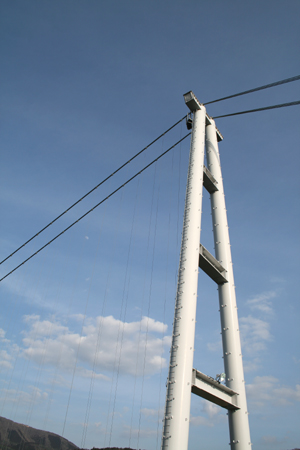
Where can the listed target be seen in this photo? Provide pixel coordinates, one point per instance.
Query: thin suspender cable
(106, 291)
(10, 320)
(99, 336)
(80, 338)
(85, 425)
(167, 252)
(148, 311)
(164, 309)
(138, 348)
(117, 339)
(96, 206)
(84, 318)
(144, 288)
(26, 363)
(266, 86)
(60, 350)
(282, 105)
(178, 193)
(9, 314)
(127, 280)
(164, 305)
(92, 190)
(48, 333)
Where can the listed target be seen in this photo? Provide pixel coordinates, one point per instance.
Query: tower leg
(178, 399)
(238, 420)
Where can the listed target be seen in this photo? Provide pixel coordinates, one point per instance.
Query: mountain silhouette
(15, 436)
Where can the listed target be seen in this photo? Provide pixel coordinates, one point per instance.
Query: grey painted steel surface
(210, 389)
(238, 420)
(178, 398)
(212, 267)
(209, 182)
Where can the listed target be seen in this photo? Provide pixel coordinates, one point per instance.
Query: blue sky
(84, 86)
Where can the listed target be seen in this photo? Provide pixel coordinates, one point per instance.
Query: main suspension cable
(96, 206)
(92, 190)
(282, 105)
(266, 86)
(277, 83)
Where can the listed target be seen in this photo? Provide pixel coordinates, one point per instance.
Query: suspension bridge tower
(183, 380)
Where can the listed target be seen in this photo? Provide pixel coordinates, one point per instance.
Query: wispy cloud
(252, 365)
(268, 390)
(135, 433)
(211, 410)
(148, 412)
(255, 333)
(273, 440)
(28, 294)
(212, 415)
(7, 355)
(2, 335)
(201, 421)
(262, 302)
(5, 360)
(33, 396)
(215, 346)
(296, 360)
(277, 280)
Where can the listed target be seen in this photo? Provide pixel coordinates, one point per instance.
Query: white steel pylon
(183, 379)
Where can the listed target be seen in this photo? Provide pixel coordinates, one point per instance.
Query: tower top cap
(191, 101)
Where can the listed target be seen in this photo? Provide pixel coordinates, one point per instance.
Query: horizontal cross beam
(209, 181)
(210, 389)
(212, 267)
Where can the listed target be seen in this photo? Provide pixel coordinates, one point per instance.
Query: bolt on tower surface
(182, 378)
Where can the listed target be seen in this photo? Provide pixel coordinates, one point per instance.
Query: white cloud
(251, 366)
(85, 373)
(5, 360)
(2, 334)
(7, 356)
(215, 346)
(262, 302)
(43, 328)
(255, 333)
(296, 360)
(277, 280)
(267, 390)
(210, 409)
(212, 415)
(130, 347)
(34, 396)
(148, 412)
(59, 380)
(5, 342)
(79, 317)
(201, 421)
